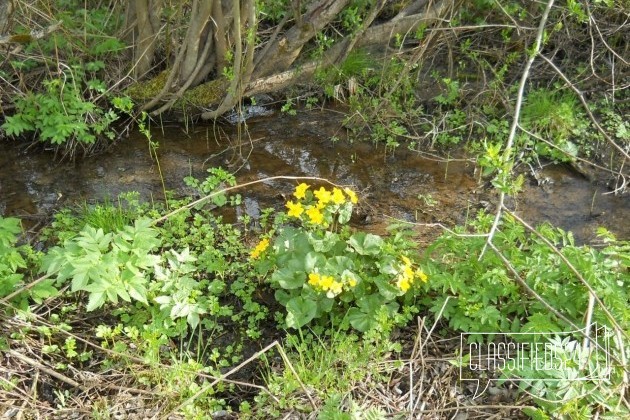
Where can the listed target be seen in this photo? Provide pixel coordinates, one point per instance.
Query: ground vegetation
(163, 309)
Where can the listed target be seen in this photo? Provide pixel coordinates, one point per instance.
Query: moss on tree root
(200, 97)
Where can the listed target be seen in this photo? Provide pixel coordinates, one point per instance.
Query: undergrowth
(174, 305)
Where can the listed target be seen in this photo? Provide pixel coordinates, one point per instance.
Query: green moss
(147, 89)
(202, 96)
(206, 94)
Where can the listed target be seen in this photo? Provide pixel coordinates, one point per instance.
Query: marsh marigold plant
(325, 271)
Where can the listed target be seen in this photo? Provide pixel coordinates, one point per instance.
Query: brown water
(402, 185)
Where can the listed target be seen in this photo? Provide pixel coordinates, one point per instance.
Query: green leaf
(339, 264)
(9, 227)
(163, 300)
(540, 323)
(42, 291)
(360, 320)
(313, 260)
(16, 125)
(294, 241)
(112, 292)
(287, 278)
(124, 295)
(345, 212)
(324, 244)
(300, 312)
(325, 304)
(179, 310)
(282, 297)
(96, 300)
(535, 413)
(216, 287)
(103, 47)
(387, 290)
(138, 291)
(219, 200)
(366, 243)
(193, 319)
(371, 303)
(80, 278)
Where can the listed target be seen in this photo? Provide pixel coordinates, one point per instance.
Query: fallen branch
(30, 37)
(43, 368)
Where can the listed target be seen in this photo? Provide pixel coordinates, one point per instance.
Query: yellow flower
(337, 196)
(316, 216)
(334, 289)
(403, 284)
(313, 279)
(352, 282)
(323, 195)
(420, 274)
(300, 191)
(352, 195)
(405, 274)
(295, 209)
(260, 248)
(326, 282)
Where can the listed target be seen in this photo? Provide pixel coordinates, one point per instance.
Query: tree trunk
(143, 17)
(284, 51)
(198, 38)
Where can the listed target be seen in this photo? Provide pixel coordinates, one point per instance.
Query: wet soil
(400, 184)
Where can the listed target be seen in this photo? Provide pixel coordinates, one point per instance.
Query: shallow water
(402, 184)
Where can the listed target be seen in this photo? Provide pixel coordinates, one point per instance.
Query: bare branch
(507, 153)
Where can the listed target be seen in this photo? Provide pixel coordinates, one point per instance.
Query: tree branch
(507, 153)
(284, 51)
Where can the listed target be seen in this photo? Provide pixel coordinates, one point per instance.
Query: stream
(398, 184)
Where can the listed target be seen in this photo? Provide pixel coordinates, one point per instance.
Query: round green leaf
(313, 260)
(288, 278)
(387, 290)
(300, 312)
(360, 320)
(366, 243)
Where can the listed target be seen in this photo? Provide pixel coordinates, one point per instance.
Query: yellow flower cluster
(315, 211)
(328, 284)
(406, 275)
(259, 248)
